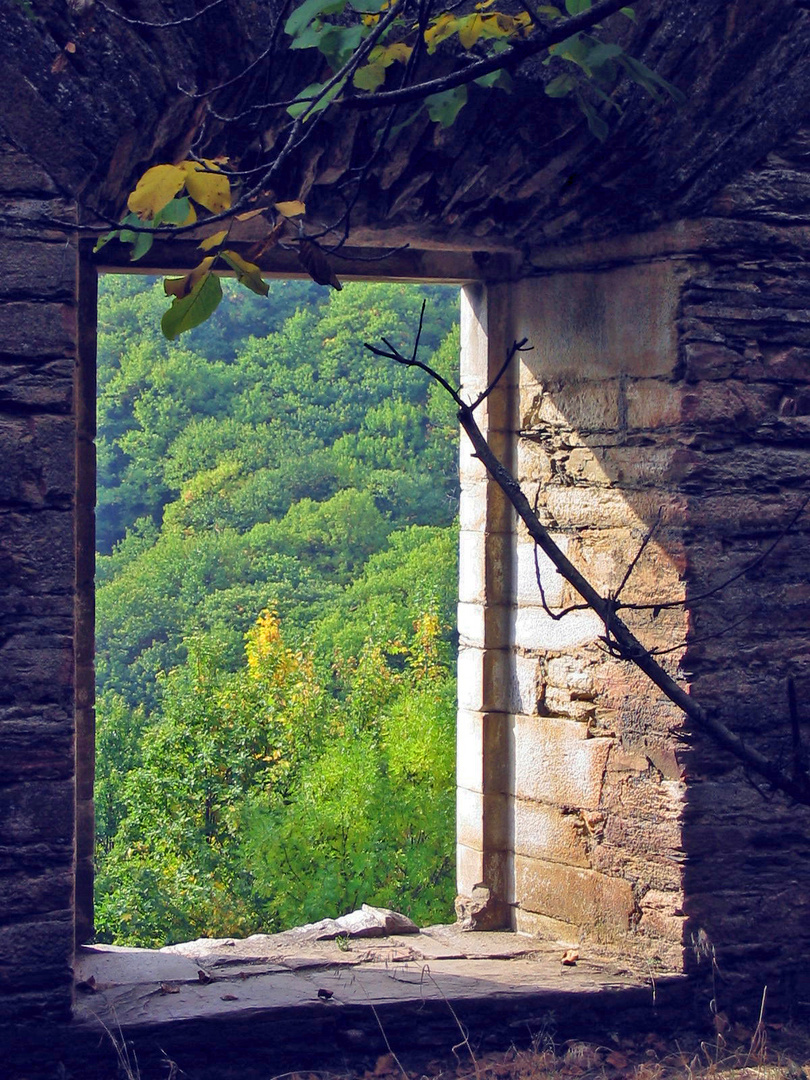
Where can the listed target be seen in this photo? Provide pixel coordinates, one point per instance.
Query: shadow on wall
(647, 399)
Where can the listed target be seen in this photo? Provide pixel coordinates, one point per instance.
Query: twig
(465, 1035)
(728, 581)
(517, 346)
(634, 561)
(159, 25)
(387, 1043)
(511, 58)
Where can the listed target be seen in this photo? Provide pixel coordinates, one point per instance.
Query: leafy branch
(375, 53)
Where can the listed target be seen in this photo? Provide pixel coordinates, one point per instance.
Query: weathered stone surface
(36, 812)
(38, 454)
(30, 270)
(46, 387)
(556, 763)
(36, 331)
(37, 954)
(599, 905)
(546, 832)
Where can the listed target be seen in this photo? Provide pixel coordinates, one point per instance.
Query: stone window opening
(90, 271)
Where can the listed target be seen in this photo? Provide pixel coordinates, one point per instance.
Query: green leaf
(309, 10)
(574, 7)
(176, 212)
(560, 87)
(337, 43)
(500, 80)
(189, 311)
(143, 242)
(629, 12)
(596, 124)
(369, 77)
(550, 10)
(602, 52)
(443, 108)
(650, 80)
(105, 239)
(247, 273)
(299, 107)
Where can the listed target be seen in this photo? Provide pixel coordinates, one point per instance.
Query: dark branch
(511, 58)
(618, 639)
(160, 25)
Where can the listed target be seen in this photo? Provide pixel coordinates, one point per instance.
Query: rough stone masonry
(662, 279)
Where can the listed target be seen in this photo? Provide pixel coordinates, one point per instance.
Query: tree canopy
(276, 591)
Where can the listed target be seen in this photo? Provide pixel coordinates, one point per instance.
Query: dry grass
(769, 1052)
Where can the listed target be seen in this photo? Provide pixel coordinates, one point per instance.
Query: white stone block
(556, 763)
(527, 591)
(535, 629)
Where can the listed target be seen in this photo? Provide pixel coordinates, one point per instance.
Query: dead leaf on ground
(168, 988)
(617, 1059)
(570, 957)
(385, 1064)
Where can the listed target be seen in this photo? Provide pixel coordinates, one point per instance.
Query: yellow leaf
(370, 76)
(470, 30)
(292, 209)
(207, 185)
(250, 214)
(443, 27)
(398, 51)
(182, 286)
(192, 216)
(213, 241)
(247, 273)
(157, 187)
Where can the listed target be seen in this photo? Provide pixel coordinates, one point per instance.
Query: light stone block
(484, 567)
(483, 507)
(527, 687)
(556, 763)
(470, 750)
(653, 404)
(535, 629)
(580, 327)
(526, 569)
(545, 832)
(483, 752)
(483, 821)
(541, 926)
(483, 679)
(482, 626)
(469, 869)
(474, 505)
(601, 906)
(471, 568)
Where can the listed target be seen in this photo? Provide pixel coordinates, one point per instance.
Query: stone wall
(37, 577)
(669, 385)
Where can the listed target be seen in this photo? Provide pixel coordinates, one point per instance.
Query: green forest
(275, 597)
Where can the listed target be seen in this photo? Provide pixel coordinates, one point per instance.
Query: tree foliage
(276, 585)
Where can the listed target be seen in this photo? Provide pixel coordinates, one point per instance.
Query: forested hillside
(276, 581)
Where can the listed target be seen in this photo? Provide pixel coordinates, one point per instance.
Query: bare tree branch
(618, 639)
